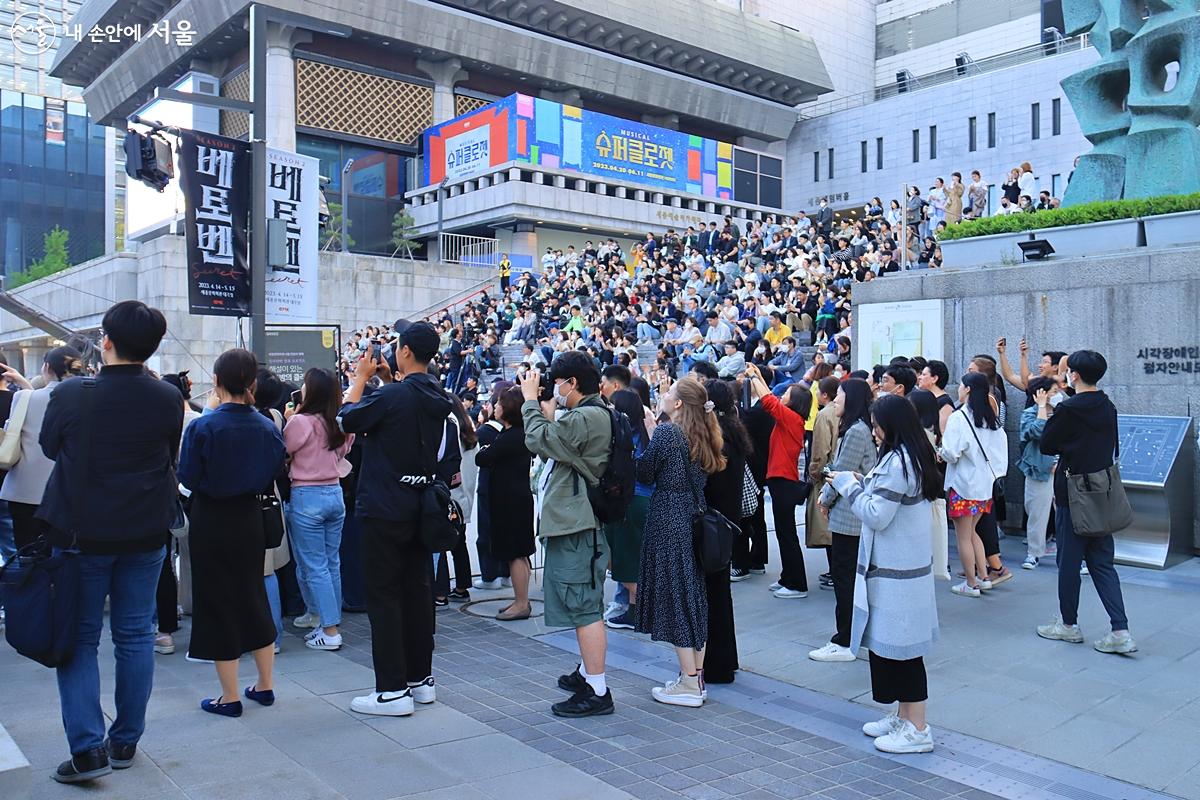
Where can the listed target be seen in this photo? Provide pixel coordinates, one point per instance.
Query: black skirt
(898, 681)
(230, 611)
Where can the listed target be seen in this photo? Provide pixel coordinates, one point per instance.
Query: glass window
(863, 160)
(972, 134)
(1035, 121)
(745, 186)
(770, 166)
(992, 199)
(933, 141)
(830, 163)
(817, 166)
(991, 136)
(745, 159)
(916, 145)
(1056, 116)
(1055, 185)
(879, 153)
(770, 191)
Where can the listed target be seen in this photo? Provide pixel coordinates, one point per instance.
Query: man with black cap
(405, 422)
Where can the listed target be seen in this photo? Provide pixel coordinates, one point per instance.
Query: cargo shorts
(573, 581)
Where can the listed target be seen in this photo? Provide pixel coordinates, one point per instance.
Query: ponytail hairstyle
(699, 425)
(323, 398)
(64, 361)
(467, 437)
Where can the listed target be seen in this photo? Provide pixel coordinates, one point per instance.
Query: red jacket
(787, 440)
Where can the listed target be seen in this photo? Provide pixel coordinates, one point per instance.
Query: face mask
(1056, 399)
(1071, 379)
(560, 399)
(837, 373)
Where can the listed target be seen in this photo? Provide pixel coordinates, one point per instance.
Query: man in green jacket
(575, 449)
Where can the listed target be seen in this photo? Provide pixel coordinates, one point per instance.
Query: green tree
(331, 234)
(55, 259)
(404, 233)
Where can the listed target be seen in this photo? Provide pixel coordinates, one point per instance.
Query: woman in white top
(26, 480)
(1026, 181)
(975, 450)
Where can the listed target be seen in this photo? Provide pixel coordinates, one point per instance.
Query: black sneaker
(572, 683)
(758, 570)
(120, 756)
(826, 582)
(460, 596)
(826, 576)
(88, 766)
(441, 602)
(584, 703)
(736, 574)
(625, 621)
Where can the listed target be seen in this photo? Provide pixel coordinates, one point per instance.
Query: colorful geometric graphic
(558, 136)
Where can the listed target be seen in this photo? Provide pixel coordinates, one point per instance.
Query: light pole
(346, 203)
(441, 196)
(258, 195)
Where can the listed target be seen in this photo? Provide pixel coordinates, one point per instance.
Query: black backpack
(610, 498)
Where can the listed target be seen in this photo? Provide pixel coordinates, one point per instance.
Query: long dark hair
(902, 431)
(736, 436)
(927, 408)
(978, 400)
(628, 403)
(466, 429)
(857, 407)
(323, 398)
(642, 389)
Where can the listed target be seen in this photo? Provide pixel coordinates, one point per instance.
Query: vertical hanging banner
(215, 179)
(293, 195)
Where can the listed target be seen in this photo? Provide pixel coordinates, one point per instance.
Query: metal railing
(916, 83)
(473, 251)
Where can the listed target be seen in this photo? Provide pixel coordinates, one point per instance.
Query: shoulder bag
(442, 524)
(750, 496)
(712, 536)
(998, 493)
(40, 584)
(10, 437)
(1097, 500)
(274, 528)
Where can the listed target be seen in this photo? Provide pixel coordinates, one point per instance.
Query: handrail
(459, 299)
(1000, 61)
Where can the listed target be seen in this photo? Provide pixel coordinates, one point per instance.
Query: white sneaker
(831, 652)
(1112, 643)
(775, 587)
(985, 585)
(784, 593)
(506, 583)
(683, 691)
(323, 641)
(882, 727)
(384, 704)
(491, 585)
(1083, 571)
(424, 692)
(1030, 562)
(614, 610)
(906, 739)
(307, 620)
(963, 590)
(1060, 632)
(277, 648)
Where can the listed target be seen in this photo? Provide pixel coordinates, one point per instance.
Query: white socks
(597, 682)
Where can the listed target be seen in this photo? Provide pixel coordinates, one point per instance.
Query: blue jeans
(317, 514)
(1099, 553)
(272, 584)
(130, 582)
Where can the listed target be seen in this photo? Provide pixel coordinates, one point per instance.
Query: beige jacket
(824, 445)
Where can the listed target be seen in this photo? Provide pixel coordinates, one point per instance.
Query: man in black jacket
(1082, 432)
(824, 219)
(404, 423)
(114, 441)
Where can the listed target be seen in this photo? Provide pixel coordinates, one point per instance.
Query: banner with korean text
(293, 195)
(215, 179)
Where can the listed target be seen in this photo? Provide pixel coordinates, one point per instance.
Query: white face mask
(1071, 379)
(560, 399)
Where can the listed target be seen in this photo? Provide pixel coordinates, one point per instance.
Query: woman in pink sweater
(317, 447)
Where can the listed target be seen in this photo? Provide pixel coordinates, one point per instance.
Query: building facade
(57, 167)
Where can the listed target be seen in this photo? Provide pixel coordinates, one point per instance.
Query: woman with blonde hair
(672, 597)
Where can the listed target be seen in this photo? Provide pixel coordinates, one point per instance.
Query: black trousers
(750, 549)
(462, 570)
(167, 595)
(843, 563)
(26, 527)
(785, 497)
(988, 533)
(898, 681)
(399, 576)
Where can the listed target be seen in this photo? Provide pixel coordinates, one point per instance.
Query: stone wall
(355, 290)
(1120, 306)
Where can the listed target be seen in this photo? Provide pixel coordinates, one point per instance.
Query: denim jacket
(1033, 463)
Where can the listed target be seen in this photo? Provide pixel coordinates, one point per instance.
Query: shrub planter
(976, 252)
(1163, 230)
(1093, 239)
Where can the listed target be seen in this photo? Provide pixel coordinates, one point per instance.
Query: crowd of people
(242, 507)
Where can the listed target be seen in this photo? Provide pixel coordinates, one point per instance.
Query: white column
(281, 84)
(445, 75)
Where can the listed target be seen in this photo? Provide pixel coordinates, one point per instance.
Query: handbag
(40, 584)
(750, 493)
(1097, 500)
(712, 537)
(442, 524)
(272, 519)
(10, 437)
